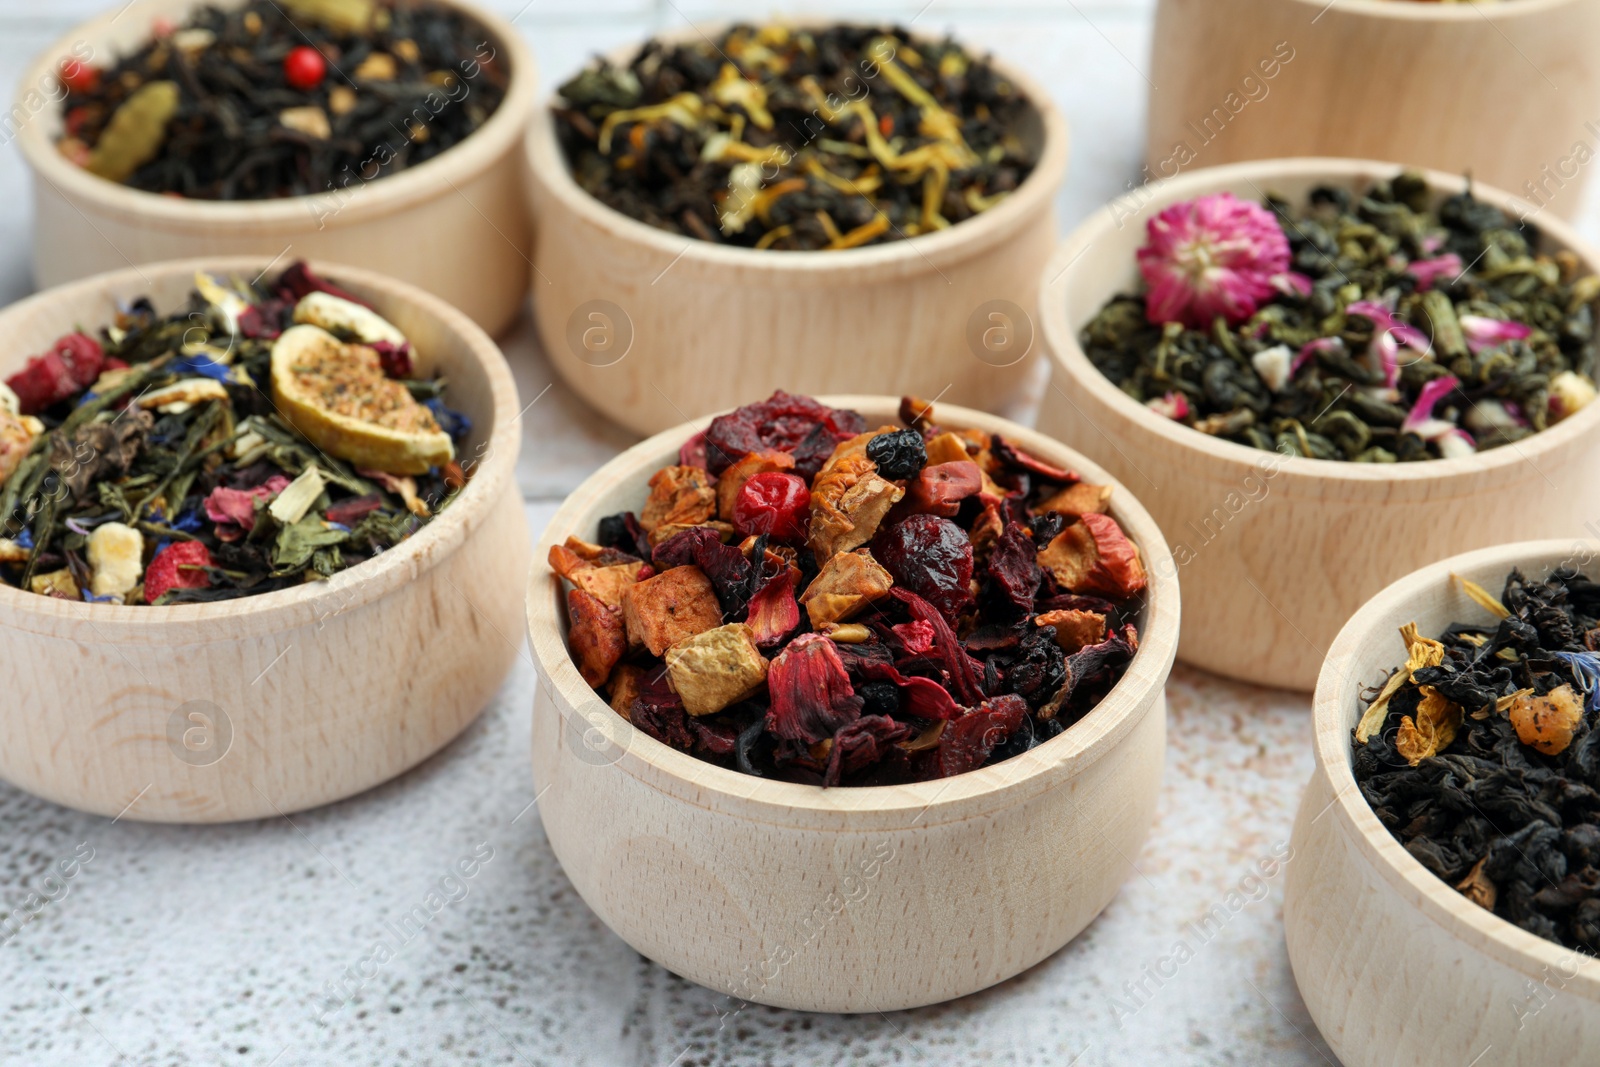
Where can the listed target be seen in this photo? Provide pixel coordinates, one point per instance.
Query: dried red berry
(181, 565)
(929, 556)
(78, 76)
(782, 423)
(811, 692)
(774, 504)
(304, 68)
(71, 365)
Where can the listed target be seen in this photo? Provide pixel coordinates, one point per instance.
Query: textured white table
(220, 945)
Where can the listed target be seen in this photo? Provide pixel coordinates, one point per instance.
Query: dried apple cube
(1074, 629)
(1078, 500)
(596, 636)
(847, 583)
(679, 496)
(677, 603)
(715, 668)
(1094, 556)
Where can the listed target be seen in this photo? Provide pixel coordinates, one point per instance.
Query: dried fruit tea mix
(266, 435)
(807, 599)
(796, 139)
(1372, 328)
(283, 98)
(1482, 755)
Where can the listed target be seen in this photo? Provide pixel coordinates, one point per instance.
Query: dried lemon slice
(338, 396)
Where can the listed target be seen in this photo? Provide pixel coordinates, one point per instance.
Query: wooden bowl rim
(1334, 708)
(987, 789)
(1379, 480)
(1426, 12)
(376, 198)
(345, 591)
(548, 168)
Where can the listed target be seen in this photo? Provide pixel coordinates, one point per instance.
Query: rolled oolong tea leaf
(796, 139)
(1368, 328)
(153, 464)
(290, 98)
(1482, 757)
(844, 628)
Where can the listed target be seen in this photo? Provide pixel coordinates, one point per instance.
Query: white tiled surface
(213, 945)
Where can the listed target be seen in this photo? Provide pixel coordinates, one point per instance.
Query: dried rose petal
(811, 692)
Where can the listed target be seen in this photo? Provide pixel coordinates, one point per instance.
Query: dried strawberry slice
(181, 565)
(71, 365)
(811, 692)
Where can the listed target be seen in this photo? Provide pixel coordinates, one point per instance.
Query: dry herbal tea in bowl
(796, 139)
(1371, 328)
(283, 98)
(805, 598)
(268, 434)
(1481, 755)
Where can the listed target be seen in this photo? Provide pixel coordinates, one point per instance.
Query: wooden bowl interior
(1099, 262)
(621, 486)
(1366, 651)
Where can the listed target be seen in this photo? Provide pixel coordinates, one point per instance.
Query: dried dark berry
(623, 532)
(899, 455)
(932, 557)
(882, 698)
(1040, 669)
(1046, 526)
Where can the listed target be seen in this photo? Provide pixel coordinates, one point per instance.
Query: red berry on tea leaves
(78, 76)
(304, 68)
(775, 504)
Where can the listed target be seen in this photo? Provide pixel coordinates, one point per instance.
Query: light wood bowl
(456, 225)
(1276, 551)
(651, 328)
(1502, 90)
(845, 899)
(273, 703)
(1396, 967)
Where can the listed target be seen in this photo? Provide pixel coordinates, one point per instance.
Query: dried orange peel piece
(337, 395)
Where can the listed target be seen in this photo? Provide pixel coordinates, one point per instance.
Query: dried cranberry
(930, 556)
(898, 455)
(775, 504)
(1012, 573)
(782, 423)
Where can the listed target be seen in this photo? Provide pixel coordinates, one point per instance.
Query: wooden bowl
(1276, 551)
(1506, 91)
(269, 704)
(1395, 965)
(651, 328)
(845, 899)
(456, 225)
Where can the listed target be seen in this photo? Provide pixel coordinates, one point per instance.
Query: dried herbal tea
(807, 599)
(283, 98)
(264, 436)
(1373, 328)
(1481, 755)
(796, 139)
